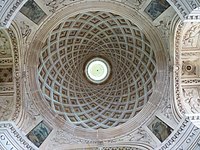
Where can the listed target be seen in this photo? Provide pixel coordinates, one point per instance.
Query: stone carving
(192, 37)
(181, 7)
(190, 81)
(11, 8)
(55, 4)
(141, 135)
(133, 2)
(6, 106)
(6, 75)
(2, 3)
(197, 54)
(12, 138)
(16, 70)
(191, 97)
(117, 148)
(167, 111)
(164, 26)
(6, 88)
(63, 138)
(177, 68)
(180, 141)
(4, 45)
(6, 61)
(25, 30)
(33, 114)
(189, 68)
(193, 3)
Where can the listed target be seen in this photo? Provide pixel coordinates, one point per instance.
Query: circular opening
(97, 70)
(189, 68)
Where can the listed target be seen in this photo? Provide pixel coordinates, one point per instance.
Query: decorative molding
(177, 69)
(190, 81)
(6, 61)
(190, 54)
(16, 73)
(7, 88)
(185, 9)
(139, 136)
(187, 74)
(54, 5)
(12, 139)
(8, 11)
(182, 138)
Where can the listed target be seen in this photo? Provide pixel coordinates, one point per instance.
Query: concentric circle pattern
(89, 35)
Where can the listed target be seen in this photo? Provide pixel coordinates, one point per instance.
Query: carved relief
(53, 4)
(9, 10)
(134, 2)
(164, 26)
(62, 137)
(6, 106)
(192, 37)
(177, 69)
(6, 75)
(191, 97)
(2, 3)
(189, 68)
(13, 139)
(5, 50)
(25, 30)
(6, 61)
(32, 115)
(17, 78)
(141, 135)
(184, 8)
(6, 88)
(182, 138)
(167, 111)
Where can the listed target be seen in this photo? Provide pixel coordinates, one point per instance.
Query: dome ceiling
(77, 40)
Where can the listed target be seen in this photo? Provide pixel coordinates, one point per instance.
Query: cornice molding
(185, 8)
(11, 138)
(8, 10)
(184, 137)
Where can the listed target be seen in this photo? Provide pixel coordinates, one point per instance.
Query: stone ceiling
(88, 35)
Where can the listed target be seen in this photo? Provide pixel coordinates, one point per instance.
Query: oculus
(97, 70)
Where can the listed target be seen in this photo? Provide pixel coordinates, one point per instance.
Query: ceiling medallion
(97, 70)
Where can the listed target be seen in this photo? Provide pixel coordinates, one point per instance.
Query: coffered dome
(127, 66)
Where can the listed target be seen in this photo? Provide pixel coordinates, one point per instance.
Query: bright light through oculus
(97, 70)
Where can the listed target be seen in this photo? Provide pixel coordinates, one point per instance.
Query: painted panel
(160, 129)
(156, 8)
(38, 134)
(33, 11)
